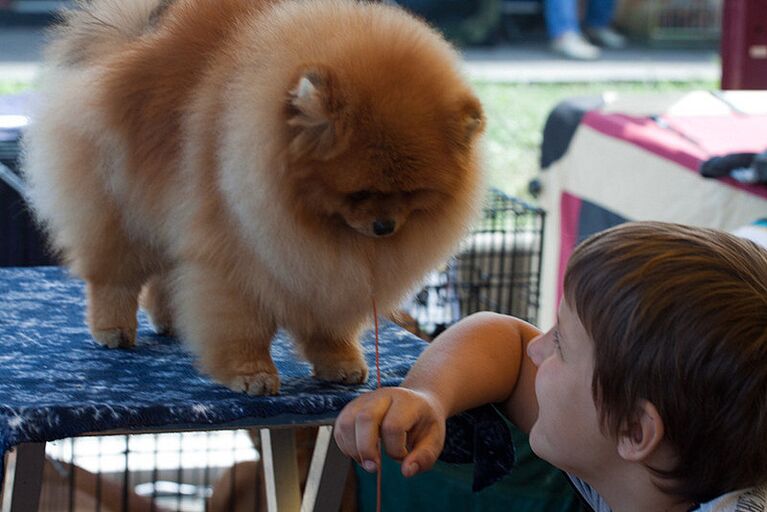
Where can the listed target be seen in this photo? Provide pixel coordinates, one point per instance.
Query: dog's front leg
(230, 332)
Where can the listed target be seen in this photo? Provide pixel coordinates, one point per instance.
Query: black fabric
(718, 166)
(594, 218)
(22, 242)
(463, 22)
(561, 125)
(480, 436)
(731, 164)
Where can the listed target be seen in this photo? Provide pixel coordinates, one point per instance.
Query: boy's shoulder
(748, 500)
(589, 494)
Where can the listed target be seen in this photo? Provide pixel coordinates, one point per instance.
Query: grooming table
(55, 382)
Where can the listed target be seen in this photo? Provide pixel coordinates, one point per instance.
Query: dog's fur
(238, 159)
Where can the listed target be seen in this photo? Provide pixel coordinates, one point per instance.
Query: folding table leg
(283, 491)
(24, 478)
(327, 475)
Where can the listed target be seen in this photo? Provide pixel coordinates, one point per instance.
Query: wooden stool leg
(24, 478)
(283, 492)
(327, 475)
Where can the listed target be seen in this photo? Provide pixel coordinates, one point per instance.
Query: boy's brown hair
(678, 317)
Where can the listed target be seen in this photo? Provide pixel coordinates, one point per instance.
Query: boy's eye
(557, 342)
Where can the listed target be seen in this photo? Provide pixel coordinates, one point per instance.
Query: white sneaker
(574, 46)
(606, 37)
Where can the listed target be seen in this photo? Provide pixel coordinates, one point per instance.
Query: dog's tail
(97, 27)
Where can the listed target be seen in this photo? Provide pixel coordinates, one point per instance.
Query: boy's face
(567, 432)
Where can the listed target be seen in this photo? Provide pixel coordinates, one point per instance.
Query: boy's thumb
(420, 459)
(410, 468)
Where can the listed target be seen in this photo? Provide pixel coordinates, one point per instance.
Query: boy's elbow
(487, 319)
(503, 325)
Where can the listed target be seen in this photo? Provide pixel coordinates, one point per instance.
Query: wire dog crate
(498, 268)
(185, 472)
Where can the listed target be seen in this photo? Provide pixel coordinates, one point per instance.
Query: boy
(650, 391)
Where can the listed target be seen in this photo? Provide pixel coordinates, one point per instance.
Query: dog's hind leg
(114, 268)
(84, 220)
(155, 299)
(112, 313)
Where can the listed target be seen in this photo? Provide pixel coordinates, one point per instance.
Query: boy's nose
(539, 348)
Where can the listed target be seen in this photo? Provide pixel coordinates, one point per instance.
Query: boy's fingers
(400, 420)
(396, 428)
(394, 436)
(343, 432)
(345, 429)
(367, 428)
(424, 453)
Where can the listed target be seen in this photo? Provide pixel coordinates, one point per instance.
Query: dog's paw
(115, 338)
(162, 323)
(254, 377)
(164, 330)
(344, 372)
(261, 383)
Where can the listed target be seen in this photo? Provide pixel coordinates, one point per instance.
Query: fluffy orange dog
(252, 164)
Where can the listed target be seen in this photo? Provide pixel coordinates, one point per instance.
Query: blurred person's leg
(561, 16)
(564, 31)
(599, 16)
(599, 13)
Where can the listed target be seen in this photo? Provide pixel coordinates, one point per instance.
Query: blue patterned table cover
(56, 382)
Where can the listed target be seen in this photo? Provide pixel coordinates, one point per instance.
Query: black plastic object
(744, 167)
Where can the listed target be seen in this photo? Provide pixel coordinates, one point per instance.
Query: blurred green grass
(11, 87)
(516, 114)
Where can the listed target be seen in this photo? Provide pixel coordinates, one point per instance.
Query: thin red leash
(378, 382)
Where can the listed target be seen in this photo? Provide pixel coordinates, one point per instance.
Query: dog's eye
(362, 195)
(410, 194)
(423, 199)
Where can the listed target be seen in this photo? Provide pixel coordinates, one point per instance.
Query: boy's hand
(410, 423)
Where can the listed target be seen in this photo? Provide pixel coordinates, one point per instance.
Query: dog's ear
(315, 115)
(473, 119)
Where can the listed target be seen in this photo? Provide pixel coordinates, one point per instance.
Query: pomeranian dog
(252, 165)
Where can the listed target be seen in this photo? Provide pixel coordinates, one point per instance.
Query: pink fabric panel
(720, 135)
(688, 141)
(570, 212)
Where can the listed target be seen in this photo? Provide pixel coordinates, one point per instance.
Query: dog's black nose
(383, 227)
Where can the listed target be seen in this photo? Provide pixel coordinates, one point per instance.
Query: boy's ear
(314, 105)
(642, 435)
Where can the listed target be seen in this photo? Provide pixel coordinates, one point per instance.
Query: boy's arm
(481, 359)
